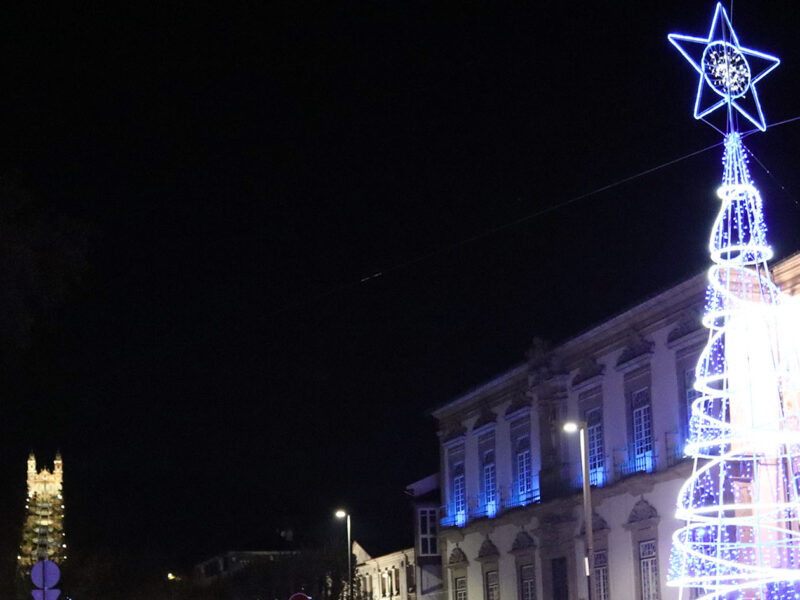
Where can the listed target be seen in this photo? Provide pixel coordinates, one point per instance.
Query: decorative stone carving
(598, 524)
(523, 541)
(642, 511)
(485, 418)
(488, 550)
(452, 434)
(520, 402)
(588, 368)
(457, 557)
(689, 322)
(636, 347)
(542, 362)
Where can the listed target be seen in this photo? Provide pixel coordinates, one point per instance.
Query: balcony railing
(639, 463)
(517, 497)
(598, 477)
(490, 506)
(453, 516)
(675, 446)
(485, 505)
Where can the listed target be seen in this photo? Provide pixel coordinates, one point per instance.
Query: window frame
(494, 587)
(429, 516)
(527, 584)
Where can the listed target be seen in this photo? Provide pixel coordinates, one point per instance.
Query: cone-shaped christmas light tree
(741, 505)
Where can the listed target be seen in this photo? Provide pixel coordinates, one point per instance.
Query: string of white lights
(741, 505)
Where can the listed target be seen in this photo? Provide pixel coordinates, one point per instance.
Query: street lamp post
(588, 560)
(341, 514)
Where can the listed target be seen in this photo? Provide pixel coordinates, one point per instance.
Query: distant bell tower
(43, 534)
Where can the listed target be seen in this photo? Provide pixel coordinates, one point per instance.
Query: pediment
(488, 549)
(642, 511)
(457, 557)
(523, 541)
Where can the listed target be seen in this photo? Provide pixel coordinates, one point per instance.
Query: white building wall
(668, 325)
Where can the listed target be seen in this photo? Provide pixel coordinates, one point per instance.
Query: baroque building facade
(511, 527)
(43, 535)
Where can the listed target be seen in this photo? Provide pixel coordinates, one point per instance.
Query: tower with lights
(43, 534)
(741, 505)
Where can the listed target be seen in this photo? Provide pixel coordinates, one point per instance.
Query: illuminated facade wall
(510, 478)
(43, 535)
(388, 577)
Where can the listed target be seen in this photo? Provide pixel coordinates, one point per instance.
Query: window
(691, 395)
(492, 586)
(489, 484)
(642, 430)
(648, 569)
(600, 576)
(524, 473)
(459, 496)
(527, 589)
(427, 532)
(594, 434)
(461, 588)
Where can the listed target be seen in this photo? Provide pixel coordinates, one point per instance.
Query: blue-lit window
(524, 473)
(489, 484)
(459, 496)
(642, 430)
(597, 455)
(691, 395)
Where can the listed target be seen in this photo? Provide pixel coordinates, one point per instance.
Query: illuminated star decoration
(726, 69)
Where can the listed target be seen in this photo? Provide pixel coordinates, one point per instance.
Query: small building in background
(223, 565)
(388, 577)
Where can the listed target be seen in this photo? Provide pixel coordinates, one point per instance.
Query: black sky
(221, 372)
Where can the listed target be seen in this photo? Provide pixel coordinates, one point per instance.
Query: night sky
(221, 370)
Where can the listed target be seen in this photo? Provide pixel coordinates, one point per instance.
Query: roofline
(513, 372)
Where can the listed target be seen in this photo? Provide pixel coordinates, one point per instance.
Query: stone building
(512, 520)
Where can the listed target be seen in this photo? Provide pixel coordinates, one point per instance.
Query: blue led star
(726, 69)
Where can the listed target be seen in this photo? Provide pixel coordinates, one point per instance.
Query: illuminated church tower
(43, 531)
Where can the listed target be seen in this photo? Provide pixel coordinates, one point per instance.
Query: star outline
(677, 39)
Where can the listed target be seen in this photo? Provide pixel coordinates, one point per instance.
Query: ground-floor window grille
(492, 586)
(648, 569)
(461, 588)
(600, 576)
(527, 584)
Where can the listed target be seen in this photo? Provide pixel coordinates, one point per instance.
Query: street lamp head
(340, 514)
(570, 427)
